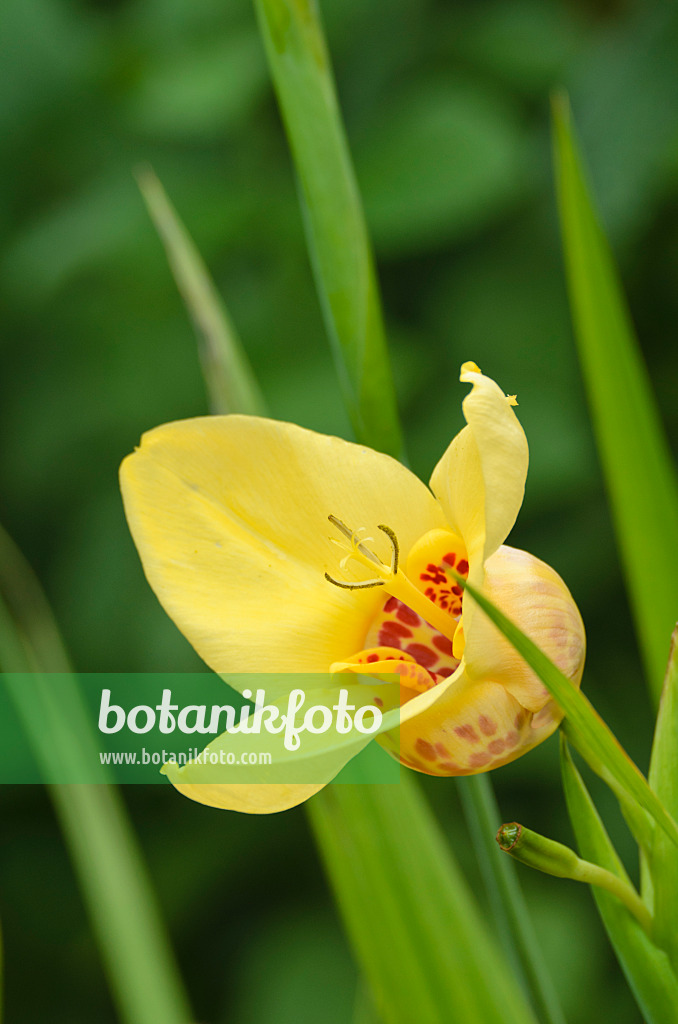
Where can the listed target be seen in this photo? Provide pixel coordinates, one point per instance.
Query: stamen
(354, 586)
(396, 547)
(352, 537)
(392, 579)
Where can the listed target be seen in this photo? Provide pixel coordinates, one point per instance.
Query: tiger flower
(237, 520)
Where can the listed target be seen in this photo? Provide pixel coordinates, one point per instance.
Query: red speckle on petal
(406, 615)
(467, 732)
(496, 746)
(422, 655)
(396, 629)
(379, 702)
(372, 657)
(442, 644)
(442, 750)
(391, 634)
(487, 726)
(387, 640)
(425, 749)
(462, 568)
(450, 767)
(457, 591)
(445, 673)
(450, 558)
(512, 739)
(391, 604)
(479, 759)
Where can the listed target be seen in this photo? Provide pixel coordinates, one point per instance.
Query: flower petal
(249, 799)
(534, 596)
(229, 514)
(480, 480)
(223, 775)
(474, 727)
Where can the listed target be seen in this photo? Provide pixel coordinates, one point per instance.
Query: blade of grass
(662, 867)
(508, 904)
(586, 728)
(636, 459)
(140, 965)
(412, 920)
(647, 968)
(230, 381)
(337, 236)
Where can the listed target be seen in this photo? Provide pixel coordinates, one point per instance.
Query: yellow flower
(230, 517)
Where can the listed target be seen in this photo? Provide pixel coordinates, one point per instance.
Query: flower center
(415, 634)
(425, 588)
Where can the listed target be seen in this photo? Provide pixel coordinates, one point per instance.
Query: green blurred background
(446, 106)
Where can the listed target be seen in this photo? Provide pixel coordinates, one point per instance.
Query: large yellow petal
(223, 775)
(480, 480)
(256, 799)
(229, 514)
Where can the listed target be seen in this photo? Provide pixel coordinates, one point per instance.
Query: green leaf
(113, 878)
(335, 224)
(510, 911)
(663, 778)
(635, 456)
(230, 382)
(586, 728)
(647, 968)
(416, 929)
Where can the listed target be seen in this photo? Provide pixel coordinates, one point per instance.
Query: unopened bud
(555, 859)
(538, 852)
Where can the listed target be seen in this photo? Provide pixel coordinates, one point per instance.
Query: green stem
(506, 898)
(554, 858)
(595, 875)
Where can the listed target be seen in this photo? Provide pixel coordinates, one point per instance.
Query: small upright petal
(480, 480)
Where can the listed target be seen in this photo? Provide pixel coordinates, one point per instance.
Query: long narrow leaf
(230, 382)
(593, 737)
(512, 917)
(647, 968)
(663, 778)
(114, 881)
(419, 937)
(337, 236)
(635, 456)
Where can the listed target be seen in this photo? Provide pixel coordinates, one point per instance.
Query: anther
(396, 547)
(354, 586)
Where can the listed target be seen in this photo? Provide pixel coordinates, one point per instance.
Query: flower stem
(554, 858)
(506, 898)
